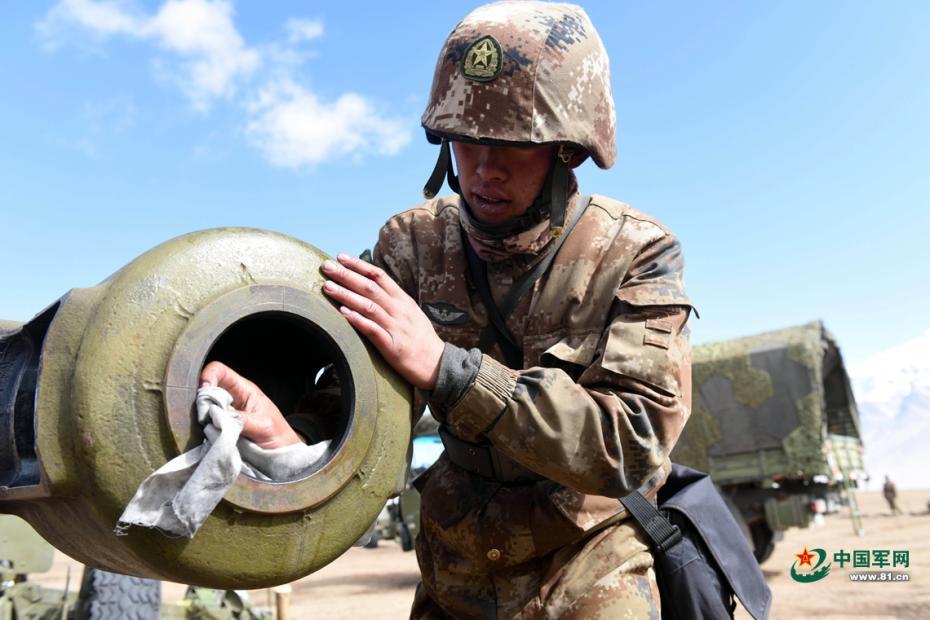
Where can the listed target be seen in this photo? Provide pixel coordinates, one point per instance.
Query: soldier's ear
(578, 158)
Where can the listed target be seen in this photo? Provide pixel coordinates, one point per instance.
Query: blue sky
(787, 144)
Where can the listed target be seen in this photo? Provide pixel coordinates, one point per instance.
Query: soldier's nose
(490, 164)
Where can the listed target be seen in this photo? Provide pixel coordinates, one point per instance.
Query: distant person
(891, 496)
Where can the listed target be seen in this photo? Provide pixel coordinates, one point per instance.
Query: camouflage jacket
(603, 393)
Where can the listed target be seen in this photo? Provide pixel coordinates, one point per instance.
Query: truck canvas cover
(778, 404)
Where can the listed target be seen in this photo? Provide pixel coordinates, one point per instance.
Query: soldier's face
(500, 183)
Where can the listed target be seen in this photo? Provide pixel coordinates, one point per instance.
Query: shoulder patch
(444, 314)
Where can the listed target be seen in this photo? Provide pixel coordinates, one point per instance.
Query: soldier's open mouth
(483, 201)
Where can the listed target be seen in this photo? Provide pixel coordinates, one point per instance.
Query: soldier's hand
(262, 421)
(377, 307)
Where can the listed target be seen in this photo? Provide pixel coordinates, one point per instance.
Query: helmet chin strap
(442, 170)
(561, 179)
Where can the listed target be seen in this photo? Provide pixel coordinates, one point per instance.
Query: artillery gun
(775, 424)
(97, 391)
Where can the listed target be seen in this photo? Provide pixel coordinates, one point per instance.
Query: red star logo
(804, 557)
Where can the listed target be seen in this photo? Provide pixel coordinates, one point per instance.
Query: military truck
(774, 422)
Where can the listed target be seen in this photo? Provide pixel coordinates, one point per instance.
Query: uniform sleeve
(606, 427)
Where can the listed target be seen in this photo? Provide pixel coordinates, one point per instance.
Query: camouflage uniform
(603, 396)
(604, 387)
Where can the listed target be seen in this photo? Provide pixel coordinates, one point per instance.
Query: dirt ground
(379, 583)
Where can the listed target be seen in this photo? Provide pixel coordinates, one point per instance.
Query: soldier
(578, 393)
(890, 491)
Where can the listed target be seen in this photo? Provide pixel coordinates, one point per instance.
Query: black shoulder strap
(497, 328)
(661, 532)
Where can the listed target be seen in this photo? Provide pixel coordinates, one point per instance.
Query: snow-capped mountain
(892, 390)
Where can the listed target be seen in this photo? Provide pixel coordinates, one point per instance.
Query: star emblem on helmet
(483, 60)
(482, 54)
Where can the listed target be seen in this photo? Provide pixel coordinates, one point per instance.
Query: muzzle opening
(298, 366)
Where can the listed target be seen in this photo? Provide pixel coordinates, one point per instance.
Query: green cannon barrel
(97, 391)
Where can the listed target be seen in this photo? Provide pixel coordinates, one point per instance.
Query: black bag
(702, 559)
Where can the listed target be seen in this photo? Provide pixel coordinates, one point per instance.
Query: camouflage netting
(774, 395)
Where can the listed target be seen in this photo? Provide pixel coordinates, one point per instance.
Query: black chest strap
(497, 327)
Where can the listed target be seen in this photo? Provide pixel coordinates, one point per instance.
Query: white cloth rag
(179, 496)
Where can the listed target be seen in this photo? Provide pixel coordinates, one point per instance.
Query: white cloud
(214, 54)
(206, 57)
(303, 30)
(209, 56)
(293, 128)
(99, 18)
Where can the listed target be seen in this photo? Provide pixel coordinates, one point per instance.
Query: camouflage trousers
(608, 575)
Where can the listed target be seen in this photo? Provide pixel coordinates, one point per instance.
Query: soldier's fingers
(373, 273)
(355, 282)
(221, 375)
(210, 373)
(378, 336)
(356, 302)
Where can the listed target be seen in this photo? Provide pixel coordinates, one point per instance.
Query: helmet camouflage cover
(524, 72)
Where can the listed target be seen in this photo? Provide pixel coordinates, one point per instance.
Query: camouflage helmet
(526, 73)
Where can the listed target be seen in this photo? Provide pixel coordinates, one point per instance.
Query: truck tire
(111, 596)
(763, 541)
